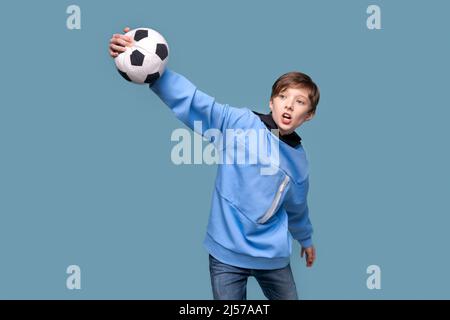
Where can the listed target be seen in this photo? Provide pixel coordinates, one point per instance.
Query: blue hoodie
(252, 213)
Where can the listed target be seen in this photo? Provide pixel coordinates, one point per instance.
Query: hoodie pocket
(257, 196)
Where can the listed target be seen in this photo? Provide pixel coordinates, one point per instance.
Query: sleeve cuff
(306, 243)
(156, 85)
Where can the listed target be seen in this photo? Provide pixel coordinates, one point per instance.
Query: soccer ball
(146, 60)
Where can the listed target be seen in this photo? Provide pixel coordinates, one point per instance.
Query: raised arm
(189, 104)
(196, 109)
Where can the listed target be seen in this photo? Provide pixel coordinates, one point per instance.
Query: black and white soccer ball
(146, 60)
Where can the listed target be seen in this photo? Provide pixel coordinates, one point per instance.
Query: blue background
(85, 170)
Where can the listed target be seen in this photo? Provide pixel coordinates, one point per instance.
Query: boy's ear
(271, 105)
(310, 116)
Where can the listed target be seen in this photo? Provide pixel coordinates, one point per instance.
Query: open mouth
(286, 118)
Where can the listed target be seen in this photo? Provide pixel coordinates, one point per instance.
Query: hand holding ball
(145, 61)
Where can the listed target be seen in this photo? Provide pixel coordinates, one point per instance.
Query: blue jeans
(230, 283)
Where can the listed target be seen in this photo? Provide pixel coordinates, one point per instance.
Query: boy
(251, 212)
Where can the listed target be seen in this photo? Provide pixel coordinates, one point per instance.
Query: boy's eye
(282, 96)
(300, 101)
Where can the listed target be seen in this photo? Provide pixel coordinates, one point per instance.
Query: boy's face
(290, 108)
